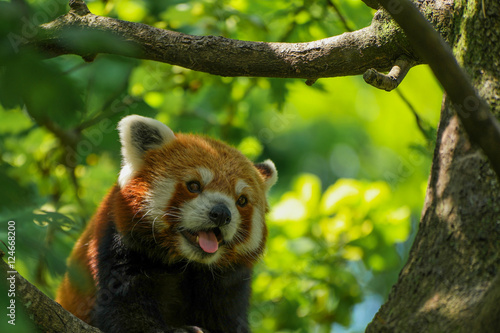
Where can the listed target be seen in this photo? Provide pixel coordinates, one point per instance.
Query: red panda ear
(138, 135)
(268, 172)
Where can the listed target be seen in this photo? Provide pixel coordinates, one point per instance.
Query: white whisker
(153, 229)
(132, 231)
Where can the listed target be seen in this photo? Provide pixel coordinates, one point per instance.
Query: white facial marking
(193, 215)
(240, 186)
(206, 175)
(256, 233)
(157, 199)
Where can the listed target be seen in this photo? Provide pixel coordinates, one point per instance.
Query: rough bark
(47, 315)
(474, 113)
(83, 33)
(451, 280)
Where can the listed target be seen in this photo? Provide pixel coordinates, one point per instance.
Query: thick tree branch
(47, 315)
(479, 123)
(83, 33)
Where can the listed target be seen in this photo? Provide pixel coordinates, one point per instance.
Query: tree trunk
(450, 282)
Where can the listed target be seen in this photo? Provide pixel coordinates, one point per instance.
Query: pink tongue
(208, 241)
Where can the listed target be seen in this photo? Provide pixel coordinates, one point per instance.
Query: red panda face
(190, 197)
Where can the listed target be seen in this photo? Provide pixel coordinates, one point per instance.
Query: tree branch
(479, 123)
(83, 33)
(392, 80)
(48, 316)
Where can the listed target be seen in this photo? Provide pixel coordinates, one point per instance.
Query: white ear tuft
(138, 135)
(268, 172)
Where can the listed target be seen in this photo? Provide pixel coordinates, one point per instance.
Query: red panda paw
(187, 329)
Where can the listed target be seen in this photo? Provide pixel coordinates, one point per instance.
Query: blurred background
(353, 161)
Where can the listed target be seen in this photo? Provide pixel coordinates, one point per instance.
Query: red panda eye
(194, 186)
(242, 201)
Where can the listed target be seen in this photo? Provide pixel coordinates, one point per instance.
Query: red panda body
(172, 246)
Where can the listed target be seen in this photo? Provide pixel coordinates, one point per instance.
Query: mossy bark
(352, 53)
(451, 280)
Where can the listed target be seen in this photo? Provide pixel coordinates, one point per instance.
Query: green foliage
(352, 160)
(313, 237)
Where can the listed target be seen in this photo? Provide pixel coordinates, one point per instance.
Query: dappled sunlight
(314, 236)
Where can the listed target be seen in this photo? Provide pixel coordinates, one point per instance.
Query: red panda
(172, 246)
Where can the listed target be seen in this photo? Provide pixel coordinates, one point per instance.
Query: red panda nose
(220, 215)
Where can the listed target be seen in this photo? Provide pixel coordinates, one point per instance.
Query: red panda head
(190, 197)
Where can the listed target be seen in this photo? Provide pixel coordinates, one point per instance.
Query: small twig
(424, 127)
(6, 247)
(339, 14)
(474, 113)
(79, 7)
(310, 82)
(109, 108)
(392, 80)
(66, 137)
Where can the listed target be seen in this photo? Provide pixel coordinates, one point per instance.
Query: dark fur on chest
(137, 294)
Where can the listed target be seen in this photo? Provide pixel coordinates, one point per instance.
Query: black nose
(220, 215)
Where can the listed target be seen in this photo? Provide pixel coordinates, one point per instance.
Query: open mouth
(207, 240)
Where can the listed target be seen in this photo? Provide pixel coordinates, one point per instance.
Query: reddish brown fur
(79, 298)
(176, 160)
(228, 164)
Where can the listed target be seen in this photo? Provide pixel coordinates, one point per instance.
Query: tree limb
(391, 80)
(83, 33)
(479, 123)
(48, 316)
